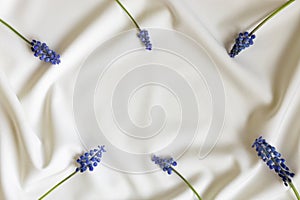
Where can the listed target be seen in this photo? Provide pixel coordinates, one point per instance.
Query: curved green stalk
(295, 190)
(271, 15)
(58, 184)
(190, 186)
(132, 19)
(15, 31)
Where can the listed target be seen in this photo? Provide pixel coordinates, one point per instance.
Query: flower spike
(42, 51)
(142, 34)
(245, 39)
(145, 38)
(167, 164)
(88, 160)
(274, 161)
(39, 49)
(164, 163)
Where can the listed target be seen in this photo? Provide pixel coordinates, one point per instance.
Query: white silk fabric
(39, 134)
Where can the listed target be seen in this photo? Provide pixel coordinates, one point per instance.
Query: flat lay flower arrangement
(89, 160)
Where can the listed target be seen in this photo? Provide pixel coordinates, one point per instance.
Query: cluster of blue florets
(272, 158)
(90, 159)
(42, 51)
(145, 38)
(243, 41)
(164, 163)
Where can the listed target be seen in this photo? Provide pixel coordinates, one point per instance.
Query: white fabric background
(39, 141)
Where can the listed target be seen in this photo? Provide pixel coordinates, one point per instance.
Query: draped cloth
(42, 132)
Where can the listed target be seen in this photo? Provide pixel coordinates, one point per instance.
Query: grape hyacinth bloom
(142, 34)
(39, 49)
(164, 163)
(245, 39)
(145, 38)
(167, 165)
(274, 161)
(42, 51)
(88, 160)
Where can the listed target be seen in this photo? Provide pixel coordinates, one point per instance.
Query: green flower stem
(190, 186)
(58, 184)
(133, 20)
(271, 15)
(295, 190)
(15, 31)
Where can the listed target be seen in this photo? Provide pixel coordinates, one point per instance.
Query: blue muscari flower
(167, 164)
(40, 49)
(164, 163)
(45, 54)
(273, 159)
(87, 160)
(90, 159)
(142, 34)
(145, 38)
(243, 41)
